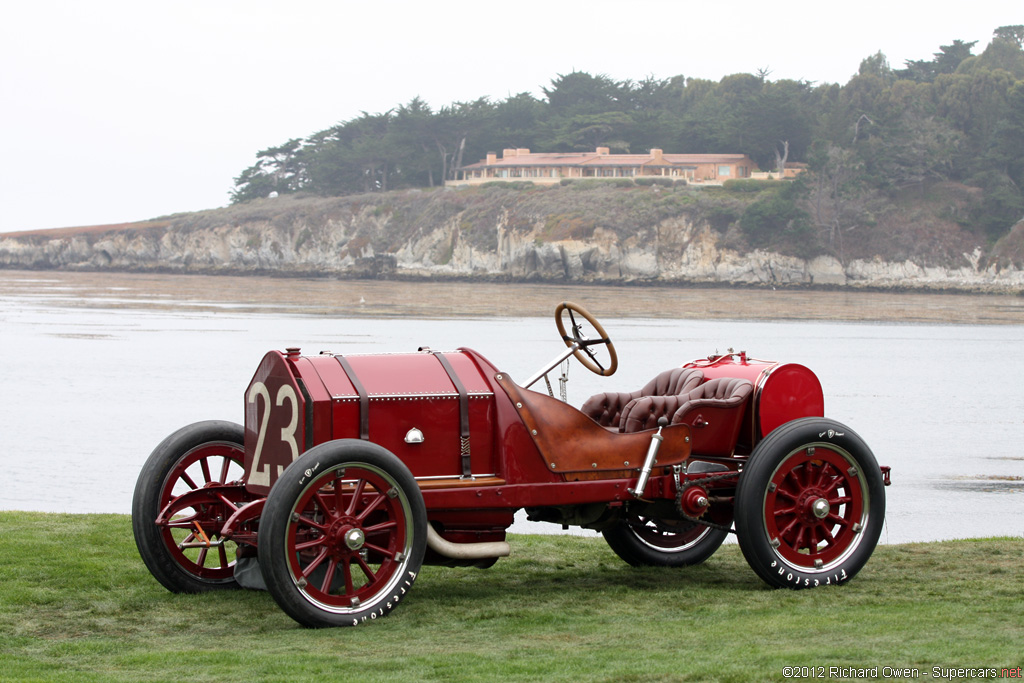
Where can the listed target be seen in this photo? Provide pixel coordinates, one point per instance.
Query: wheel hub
(813, 505)
(354, 539)
(344, 536)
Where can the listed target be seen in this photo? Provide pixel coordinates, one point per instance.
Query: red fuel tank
(782, 391)
(435, 411)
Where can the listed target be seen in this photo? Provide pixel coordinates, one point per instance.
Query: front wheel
(649, 542)
(187, 554)
(810, 505)
(343, 534)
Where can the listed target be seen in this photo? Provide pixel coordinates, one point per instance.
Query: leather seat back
(714, 411)
(606, 408)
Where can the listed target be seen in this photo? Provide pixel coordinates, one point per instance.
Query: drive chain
(682, 486)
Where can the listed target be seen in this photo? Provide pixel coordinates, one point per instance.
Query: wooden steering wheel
(583, 347)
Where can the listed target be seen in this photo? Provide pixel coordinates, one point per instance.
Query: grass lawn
(77, 604)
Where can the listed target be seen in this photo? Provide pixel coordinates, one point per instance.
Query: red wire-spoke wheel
(343, 534)
(646, 541)
(810, 505)
(185, 552)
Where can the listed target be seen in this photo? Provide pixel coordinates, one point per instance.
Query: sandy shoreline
(384, 298)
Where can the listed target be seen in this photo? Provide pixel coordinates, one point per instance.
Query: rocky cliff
(566, 235)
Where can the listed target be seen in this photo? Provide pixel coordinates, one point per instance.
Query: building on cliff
(552, 167)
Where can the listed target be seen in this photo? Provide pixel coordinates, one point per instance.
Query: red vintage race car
(352, 471)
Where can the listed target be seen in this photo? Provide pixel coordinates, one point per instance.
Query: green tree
(515, 122)
(371, 150)
(580, 93)
(1002, 206)
(277, 169)
(412, 134)
(354, 156)
(655, 110)
(252, 183)
(1007, 151)
(586, 132)
(945, 61)
(1001, 171)
(586, 112)
(1006, 51)
(973, 102)
(848, 115)
(777, 221)
(785, 123)
(877, 65)
(838, 196)
(912, 145)
(460, 127)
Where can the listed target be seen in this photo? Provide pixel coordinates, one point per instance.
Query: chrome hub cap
(820, 508)
(354, 539)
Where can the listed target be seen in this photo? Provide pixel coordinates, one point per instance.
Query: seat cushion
(606, 408)
(714, 410)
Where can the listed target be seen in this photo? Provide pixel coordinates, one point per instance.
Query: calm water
(98, 370)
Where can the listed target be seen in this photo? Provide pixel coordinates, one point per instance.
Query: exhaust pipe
(465, 551)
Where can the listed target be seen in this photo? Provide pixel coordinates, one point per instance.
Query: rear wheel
(645, 541)
(809, 505)
(343, 534)
(188, 555)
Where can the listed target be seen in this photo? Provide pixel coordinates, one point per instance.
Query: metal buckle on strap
(467, 469)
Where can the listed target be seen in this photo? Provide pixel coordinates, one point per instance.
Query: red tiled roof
(595, 159)
(540, 159)
(703, 158)
(618, 159)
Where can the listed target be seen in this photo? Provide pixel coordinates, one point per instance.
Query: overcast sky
(123, 110)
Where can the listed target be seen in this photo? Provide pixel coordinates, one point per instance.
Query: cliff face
(494, 235)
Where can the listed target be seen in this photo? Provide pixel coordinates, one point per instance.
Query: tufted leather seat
(606, 409)
(714, 411)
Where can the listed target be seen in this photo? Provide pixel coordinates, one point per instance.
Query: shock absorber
(652, 453)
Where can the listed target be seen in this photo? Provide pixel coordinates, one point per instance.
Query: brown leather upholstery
(573, 446)
(606, 409)
(714, 410)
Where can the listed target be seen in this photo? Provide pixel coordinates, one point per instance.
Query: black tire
(200, 453)
(810, 505)
(647, 542)
(343, 557)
